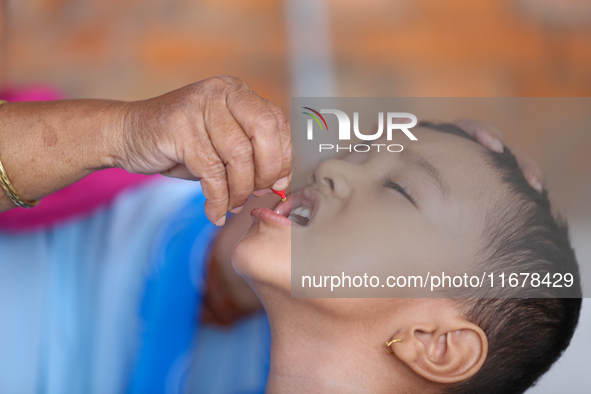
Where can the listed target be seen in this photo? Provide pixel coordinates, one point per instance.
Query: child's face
(361, 223)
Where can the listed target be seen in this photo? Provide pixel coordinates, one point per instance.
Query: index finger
(285, 133)
(260, 123)
(531, 170)
(485, 133)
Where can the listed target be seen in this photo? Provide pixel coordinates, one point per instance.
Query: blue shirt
(109, 303)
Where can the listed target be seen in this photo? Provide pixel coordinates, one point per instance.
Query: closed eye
(389, 183)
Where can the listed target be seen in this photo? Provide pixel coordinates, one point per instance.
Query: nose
(334, 177)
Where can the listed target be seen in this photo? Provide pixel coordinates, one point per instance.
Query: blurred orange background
(132, 49)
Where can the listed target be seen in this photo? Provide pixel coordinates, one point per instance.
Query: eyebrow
(421, 163)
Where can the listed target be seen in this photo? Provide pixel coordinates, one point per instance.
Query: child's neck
(310, 354)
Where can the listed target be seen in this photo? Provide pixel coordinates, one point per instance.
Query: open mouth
(301, 206)
(300, 215)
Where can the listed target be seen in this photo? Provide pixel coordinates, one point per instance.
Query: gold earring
(390, 343)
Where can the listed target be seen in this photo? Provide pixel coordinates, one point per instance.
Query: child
(450, 202)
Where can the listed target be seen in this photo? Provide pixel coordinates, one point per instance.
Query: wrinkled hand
(491, 137)
(217, 131)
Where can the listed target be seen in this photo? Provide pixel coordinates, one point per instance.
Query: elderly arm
(217, 131)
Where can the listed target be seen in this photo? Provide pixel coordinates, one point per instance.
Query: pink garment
(79, 199)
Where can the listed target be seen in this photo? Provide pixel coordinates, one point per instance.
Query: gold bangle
(9, 189)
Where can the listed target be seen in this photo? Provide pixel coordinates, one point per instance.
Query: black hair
(528, 328)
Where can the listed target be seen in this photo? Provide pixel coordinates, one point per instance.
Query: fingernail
(221, 221)
(496, 145)
(260, 193)
(281, 184)
(537, 185)
(237, 209)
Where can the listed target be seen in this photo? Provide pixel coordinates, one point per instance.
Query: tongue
(302, 221)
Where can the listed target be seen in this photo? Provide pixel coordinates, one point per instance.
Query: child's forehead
(430, 136)
(439, 149)
(460, 165)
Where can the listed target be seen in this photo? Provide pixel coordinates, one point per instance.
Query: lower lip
(266, 215)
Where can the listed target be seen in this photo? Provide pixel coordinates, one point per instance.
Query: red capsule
(281, 194)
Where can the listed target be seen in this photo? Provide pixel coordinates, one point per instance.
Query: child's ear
(450, 353)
